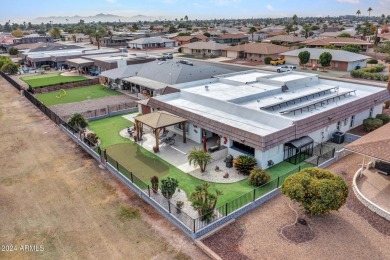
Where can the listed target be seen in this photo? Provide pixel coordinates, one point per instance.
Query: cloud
(349, 1)
(269, 7)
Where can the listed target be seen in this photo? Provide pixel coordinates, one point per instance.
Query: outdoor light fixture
(270, 163)
(329, 118)
(242, 140)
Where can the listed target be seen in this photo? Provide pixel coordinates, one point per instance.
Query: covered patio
(158, 121)
(298, 150)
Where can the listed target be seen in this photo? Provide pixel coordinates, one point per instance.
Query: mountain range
(95, 18)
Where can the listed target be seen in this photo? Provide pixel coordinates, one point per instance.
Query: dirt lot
(354, 232)
(53, 194)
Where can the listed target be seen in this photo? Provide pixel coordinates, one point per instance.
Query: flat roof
(262, 107)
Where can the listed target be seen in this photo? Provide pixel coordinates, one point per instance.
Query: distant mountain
(95, 18)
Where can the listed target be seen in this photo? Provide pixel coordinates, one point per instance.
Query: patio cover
(158, 120)
(300, 142)
(147, 83)
(79, 62)
(375, 144)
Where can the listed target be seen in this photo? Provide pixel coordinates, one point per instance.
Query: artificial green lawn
(50, 79)
(76, 95)
(146, 164)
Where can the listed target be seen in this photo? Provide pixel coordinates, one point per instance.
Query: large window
(243, 148)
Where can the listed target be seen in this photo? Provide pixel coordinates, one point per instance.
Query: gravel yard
(354, 232)
(93, 104)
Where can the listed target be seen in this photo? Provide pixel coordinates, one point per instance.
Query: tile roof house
(230, 38)
(255, 51)
(190, 39)
(338, 42)
(341, 60)
(203, 48)
(286, 39)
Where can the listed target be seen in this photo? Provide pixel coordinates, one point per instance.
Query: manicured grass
(76, 95)
(50, 79)
(144, 164)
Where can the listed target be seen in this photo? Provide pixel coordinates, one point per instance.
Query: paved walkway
(375, 187)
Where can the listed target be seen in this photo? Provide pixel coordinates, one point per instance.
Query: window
(179, 127)
(243, 148)
(338, 125)
(345, 121)
(352, 121)
(371, 112)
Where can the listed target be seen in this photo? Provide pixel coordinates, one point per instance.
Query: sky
(25, 10)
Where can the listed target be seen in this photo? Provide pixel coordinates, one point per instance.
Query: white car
(285, 68)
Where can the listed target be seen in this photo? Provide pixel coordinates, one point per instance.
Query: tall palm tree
(369, 11)
(252, 30)
(358, 13)
(324, 26)
(199, 157)
(97, 34)
(288, 27)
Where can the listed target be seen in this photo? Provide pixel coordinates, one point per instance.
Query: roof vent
(258, 101)
(206, 87)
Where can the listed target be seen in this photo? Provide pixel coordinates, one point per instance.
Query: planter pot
(135, 138)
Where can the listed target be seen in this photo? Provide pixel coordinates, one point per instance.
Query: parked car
(186, 62)
(285, 68)
(167, 55)
(278, 61)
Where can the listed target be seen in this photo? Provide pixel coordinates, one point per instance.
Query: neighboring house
(230, 38)
(203, 49)
(33, 38)
(190, 39)
(152, 42)
(271, 116)
(289, 39)
(80, 37)
(113, 41)
(341, 60)
(167, 72)
(255, 51)
(337, 42)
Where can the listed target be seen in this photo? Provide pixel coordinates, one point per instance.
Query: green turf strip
(50, 79)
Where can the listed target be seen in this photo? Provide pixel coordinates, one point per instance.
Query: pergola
(158, 121)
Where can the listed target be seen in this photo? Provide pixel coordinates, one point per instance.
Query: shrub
(267, 60)
(370, 124)
(258, 177)
(318, 191)
(372, 61)
(244, 164)
(384, 117)
(199, 157)
(91, 139)
(13, 51)
(154, 181)
(10, 68)
(168, 187)
(77, 121)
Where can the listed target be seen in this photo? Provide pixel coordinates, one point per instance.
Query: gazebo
(158, 121)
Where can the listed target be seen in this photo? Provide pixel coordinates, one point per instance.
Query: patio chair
(164, 134)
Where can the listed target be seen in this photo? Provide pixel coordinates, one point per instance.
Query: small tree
(252, 30)
(77, 121)
(244, 164)
(91, 139)
(304, 57)
(258, 177)
(344, 35)
(55, 33)
(204, 201)
(17, 33)
(168, 187)
(154, 181)
(199, 157)
(13, 51)
(318, 191)
(325, 59)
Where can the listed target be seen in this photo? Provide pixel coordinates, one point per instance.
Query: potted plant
(179, 206)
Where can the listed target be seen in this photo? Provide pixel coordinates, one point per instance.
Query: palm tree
(358, 13)
(199, 157)
(369, 11)
(97, 34)
(306, 31)
(252, 30)
(324, 26)
(288, 27)
(224, 31)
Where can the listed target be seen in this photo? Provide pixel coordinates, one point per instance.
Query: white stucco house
(272, 117)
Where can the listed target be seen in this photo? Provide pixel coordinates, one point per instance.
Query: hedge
(371, 73)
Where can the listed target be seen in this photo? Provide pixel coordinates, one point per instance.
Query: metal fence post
(254, 194)
(299, 168)
(194, 226)
(117, 166)
(277, 185)
(148, 190)
(131, 177)
(169, 206)
(226, 213)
